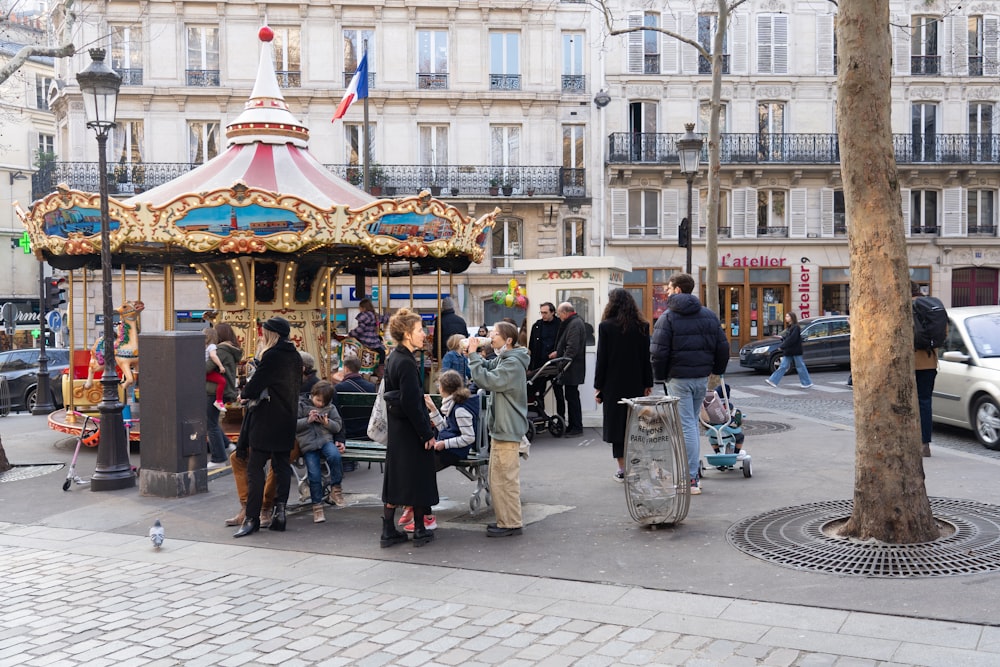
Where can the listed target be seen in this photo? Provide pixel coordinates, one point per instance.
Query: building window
(975, 45)
(644, 45)
(203, 141)
(708, 24)
(772, 44)
(981, 132)
(202, 56)
(46, 144)
(924, 58)
(287, 57)
(924, 212)
(432, 59)
(126, 53)
(42, 84)
(649, 289)
(770, 131)
(574, 236)
(839, 213)
(433, 155)
(724, 229)
(505, 63)
(771, 214)
(354, 47)
(923, 130)
(573, 78)
(353, 133)
(125, 154)
(981, 212)
(644, 213)
(507, 243)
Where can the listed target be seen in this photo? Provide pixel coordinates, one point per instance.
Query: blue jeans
(217, 441)
(691, 391)
(925, 395)
(786, 364)
(329, 452)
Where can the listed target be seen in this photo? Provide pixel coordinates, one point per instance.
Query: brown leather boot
(265, 516)
(318, 515)
(239, 518)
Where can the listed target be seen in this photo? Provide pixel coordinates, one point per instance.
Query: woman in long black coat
(623, 367)
(410, 474)
(268, 432)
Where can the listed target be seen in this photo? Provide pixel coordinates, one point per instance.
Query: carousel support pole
(70, 320)
(328, 352)
(438, 343)
(411, 284)
(99, 85)
(85, 289)
(169, 318)
(252, 296)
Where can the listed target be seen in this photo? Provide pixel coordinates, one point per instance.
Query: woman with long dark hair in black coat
(623, 367)
(410, 472)
(268, 432)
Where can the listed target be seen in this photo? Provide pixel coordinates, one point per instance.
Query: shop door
(730, 311)
(766, 311)
(974, 287)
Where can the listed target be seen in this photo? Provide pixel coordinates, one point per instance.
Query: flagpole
(364, 130)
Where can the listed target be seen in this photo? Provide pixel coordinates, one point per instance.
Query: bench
(356, 409)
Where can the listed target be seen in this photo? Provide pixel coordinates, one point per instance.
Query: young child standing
(318, 433)
(217, 377)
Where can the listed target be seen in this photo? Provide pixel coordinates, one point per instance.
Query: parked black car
(826, 341)
(20, 369)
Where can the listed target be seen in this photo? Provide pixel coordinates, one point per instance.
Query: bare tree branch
(64, 49)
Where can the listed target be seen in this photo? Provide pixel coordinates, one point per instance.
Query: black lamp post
(689, 154)
(43, 390)
(99, 85)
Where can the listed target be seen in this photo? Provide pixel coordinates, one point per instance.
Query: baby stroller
(545, 376)
(724, 428)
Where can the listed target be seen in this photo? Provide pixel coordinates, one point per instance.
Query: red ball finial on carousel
(265, 34)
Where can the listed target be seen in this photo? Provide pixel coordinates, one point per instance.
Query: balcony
(432, 81)
(982, 230)
(975, 65)
(130, 77)
(723, 232)
(925, 65)
(202, 78)
(918, 230)
(574, 83)
(651, 63)
(772, 232)
(705, 65)
(468, 181)
(661, 149)
(350, 75)
(505, 82)
(289, 78)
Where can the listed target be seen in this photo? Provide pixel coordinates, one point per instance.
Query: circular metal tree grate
(755, 427)
(794, 537)
(19, 472)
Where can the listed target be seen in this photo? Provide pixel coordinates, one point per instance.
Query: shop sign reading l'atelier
(760, 261)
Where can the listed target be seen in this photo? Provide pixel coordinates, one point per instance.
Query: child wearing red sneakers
(217, 377)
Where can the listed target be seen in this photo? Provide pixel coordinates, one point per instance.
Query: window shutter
(750, 207)
(695, 212)
(826, 212)
(635, 51)
(990, 45)
(953, 222)
(901, 41)
(824, 44)
(764, 45)
(959, 51)
(738, 229)
(797, 205)
(669, 223)
(904, 194)
(739, 28)
(780, 41)
(619, 213)
(668, 45)
(689, 55)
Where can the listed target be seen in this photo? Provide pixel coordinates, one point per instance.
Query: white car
(967, 388)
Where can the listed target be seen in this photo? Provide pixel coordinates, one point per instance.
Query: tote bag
(378, 426)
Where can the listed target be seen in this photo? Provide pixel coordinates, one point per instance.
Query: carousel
(267, 228)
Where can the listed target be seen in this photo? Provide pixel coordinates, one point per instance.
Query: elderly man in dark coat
(268, 432)
(572, 343)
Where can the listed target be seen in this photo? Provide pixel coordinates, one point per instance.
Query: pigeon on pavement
(156, 534)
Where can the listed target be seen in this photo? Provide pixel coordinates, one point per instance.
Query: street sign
(9, 311)
(54, 320)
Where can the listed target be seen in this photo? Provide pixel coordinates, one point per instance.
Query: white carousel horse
(126, 347)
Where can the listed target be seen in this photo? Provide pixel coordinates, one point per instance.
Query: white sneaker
(230, 448)
(695, 487)
(212, 465)
(769, 383)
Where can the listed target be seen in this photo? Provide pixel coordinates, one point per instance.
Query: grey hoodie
(505, 376)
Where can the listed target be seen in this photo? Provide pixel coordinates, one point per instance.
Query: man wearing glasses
(541, 344)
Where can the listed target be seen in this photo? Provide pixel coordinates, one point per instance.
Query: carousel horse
(126, 347)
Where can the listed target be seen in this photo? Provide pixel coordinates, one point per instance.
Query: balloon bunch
(514, 296)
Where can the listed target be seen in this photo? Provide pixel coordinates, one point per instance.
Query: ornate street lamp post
(99, 85)
(689, 154)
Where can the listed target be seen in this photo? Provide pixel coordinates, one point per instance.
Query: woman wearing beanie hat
(268, 432)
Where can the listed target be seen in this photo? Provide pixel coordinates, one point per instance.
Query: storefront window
(649, 286)
(583, 301)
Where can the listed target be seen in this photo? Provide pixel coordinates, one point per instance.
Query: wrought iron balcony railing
(661, 148)
(917, 230)
(432, 81)
(126, 179)
(350, 75)
(203, 78)
(289, 78)
(574, 83)
(505, 82)
(705, 65)
(975, 65)
(982, 230)
(130, 77)
(773, 232)
(925, 65)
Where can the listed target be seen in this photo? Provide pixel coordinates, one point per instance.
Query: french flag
(356, 90)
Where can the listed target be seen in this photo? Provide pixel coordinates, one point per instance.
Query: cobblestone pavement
(89, 598)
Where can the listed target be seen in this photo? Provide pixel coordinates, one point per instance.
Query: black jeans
(573, 406)
(255, 478)
(217, 441)
(925, 393)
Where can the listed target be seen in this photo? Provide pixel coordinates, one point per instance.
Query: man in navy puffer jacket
(688, 345)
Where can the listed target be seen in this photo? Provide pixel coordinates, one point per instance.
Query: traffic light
(55, 293)
(684, 233)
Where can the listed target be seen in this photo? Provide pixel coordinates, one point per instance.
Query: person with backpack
(930, 328)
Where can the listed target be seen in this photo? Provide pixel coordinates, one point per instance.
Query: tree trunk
(4, 463)
(890, 499)
(714, 166)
